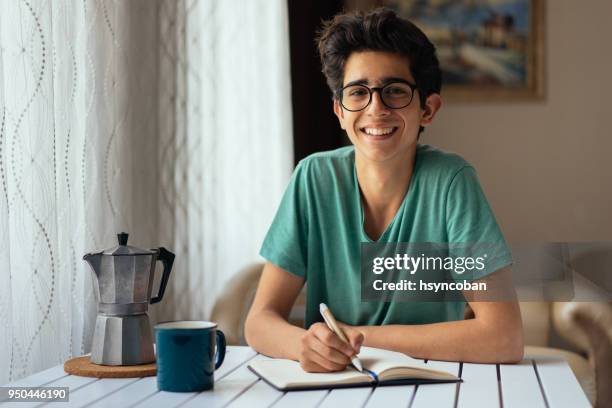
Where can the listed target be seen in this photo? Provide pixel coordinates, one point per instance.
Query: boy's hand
(322, 351)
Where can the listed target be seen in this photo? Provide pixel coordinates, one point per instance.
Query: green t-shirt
(318, 230)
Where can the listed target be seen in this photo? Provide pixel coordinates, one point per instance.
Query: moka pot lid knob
(124, 249)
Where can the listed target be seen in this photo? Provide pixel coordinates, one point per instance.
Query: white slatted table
(535, 382)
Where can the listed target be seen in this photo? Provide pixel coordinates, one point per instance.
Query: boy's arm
(267, 320)
(495, 335)
(268, 331)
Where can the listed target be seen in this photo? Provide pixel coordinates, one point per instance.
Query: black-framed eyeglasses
(394, 95)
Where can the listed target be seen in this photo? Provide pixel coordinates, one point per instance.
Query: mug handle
(220, 354)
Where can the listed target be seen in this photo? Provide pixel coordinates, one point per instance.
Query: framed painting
(489, 50)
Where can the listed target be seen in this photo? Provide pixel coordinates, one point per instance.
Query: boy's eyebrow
(388, 80)
(384, 81)
(357, 82)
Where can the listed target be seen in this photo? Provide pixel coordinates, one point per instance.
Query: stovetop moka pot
(122, 335)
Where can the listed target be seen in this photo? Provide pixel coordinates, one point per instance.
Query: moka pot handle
(167, 258)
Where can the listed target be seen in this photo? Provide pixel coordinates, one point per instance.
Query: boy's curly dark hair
(377, 30)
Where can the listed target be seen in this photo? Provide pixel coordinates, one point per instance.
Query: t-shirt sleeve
(285, 244)
(471, 226)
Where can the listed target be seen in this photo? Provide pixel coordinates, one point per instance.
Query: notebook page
(379, 360)
(386, 363)
(286, 373)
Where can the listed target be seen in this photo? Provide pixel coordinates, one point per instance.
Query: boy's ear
(432, 106)
(339, 112)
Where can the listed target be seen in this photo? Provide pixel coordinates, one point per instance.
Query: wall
(546, 166)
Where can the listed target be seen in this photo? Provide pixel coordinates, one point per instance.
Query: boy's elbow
(518, 350)
(252, 329)
(248, 330)
(513, 355)
(511, 348)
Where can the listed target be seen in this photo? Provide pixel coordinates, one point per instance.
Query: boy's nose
(376, 104)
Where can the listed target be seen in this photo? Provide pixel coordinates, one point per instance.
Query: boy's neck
(383, 188)
(383, 183)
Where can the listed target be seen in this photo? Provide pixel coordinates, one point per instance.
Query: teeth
(378, 131)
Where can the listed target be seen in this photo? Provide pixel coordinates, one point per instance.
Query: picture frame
(489, 50)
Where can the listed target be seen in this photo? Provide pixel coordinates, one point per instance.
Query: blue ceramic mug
(188, 353)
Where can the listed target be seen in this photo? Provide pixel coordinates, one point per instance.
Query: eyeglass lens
(395, 95)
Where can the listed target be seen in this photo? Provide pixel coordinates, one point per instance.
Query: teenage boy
(385, 79)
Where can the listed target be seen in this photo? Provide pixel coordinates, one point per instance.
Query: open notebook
(381, 367)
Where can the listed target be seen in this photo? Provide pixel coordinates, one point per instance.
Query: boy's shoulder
(340, 154)
(341, 158)
(437, 162)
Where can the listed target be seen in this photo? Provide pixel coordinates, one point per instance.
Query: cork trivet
(84, 367)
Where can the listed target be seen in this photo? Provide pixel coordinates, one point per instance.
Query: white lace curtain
(166, 119)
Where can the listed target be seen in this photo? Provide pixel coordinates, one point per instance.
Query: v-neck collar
(400, 210)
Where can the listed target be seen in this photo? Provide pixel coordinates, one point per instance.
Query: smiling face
(378, 132)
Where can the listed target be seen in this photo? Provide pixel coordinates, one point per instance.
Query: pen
(330, 320)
